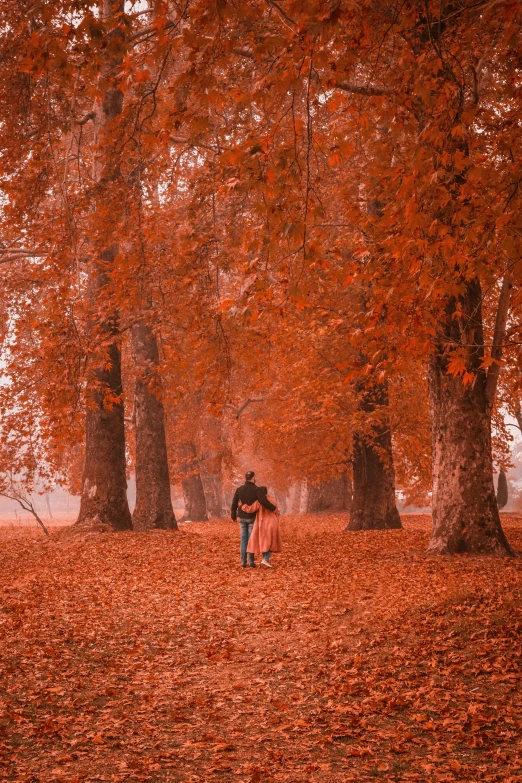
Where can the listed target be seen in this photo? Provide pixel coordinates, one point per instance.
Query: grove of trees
(275, 234)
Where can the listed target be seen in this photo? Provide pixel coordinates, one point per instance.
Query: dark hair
(249, 475)
(264, 490)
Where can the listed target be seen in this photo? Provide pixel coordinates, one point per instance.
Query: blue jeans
(246, 526)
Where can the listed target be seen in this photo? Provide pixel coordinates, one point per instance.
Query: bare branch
(152, 30)
(14, 492)
(85, 119)
(281, 11)
(14, 253)
(363, 89)
(239, 410)
(195, 143)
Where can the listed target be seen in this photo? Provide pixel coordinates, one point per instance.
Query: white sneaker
(265, 563)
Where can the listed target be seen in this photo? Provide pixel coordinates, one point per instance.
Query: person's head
(264, 490)
(250, 476)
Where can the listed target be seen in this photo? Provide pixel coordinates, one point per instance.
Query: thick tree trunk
(502, 490)
(465, 513)
(373, 502)
(104, 485)
(303, 498)
(153, 501)
(297, 497)
(293, 497)
(213, 491)
(192, 486)
(332, 495)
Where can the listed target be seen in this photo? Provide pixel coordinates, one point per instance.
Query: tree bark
(192, 486)
(502, 490)
(465, 513)
(293, 498)
(498, 339)
(280, 499)
(303, 498)
(210, 468)
(373, 502)
(213, 491)
(104, 484)
(332, 495)
(153, 500)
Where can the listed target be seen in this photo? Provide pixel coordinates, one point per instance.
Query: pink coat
(265, 534)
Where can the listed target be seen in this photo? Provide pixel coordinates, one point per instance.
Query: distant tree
(502, 490)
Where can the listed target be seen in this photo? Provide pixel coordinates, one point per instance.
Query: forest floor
(155, 657)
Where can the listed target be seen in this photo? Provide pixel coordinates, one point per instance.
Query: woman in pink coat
(265, 536)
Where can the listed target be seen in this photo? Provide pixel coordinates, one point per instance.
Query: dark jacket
(248, 494)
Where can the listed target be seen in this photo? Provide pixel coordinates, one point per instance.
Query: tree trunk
(210, 468)
(192, 486)
(213, 490)
(280, 499)
(373, 502)
(332, 495)
(293, 497)
(303, 498)
(153, 501)
(502, 490)
(465, 513)
(104, 484)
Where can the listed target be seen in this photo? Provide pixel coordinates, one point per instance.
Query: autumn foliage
(281, 236)
(305, 214)
(315, 208)
(152, 656)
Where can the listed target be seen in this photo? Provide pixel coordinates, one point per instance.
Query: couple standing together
(258, 521)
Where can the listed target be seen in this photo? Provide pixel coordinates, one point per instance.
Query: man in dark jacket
(248, 493)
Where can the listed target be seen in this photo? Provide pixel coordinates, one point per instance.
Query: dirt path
(153, 656)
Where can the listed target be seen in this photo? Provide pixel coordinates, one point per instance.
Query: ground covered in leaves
(154, 657)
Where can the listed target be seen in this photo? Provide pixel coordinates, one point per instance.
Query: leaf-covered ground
(153, 656)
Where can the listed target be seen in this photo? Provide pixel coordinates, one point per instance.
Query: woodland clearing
(154, 656)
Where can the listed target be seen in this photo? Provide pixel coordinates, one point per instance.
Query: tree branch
(363, 89)
(238, 411)
(15, 253)
(85, 119)
(13, 493)
(281, 11)
(498, 338)
(243, 52)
